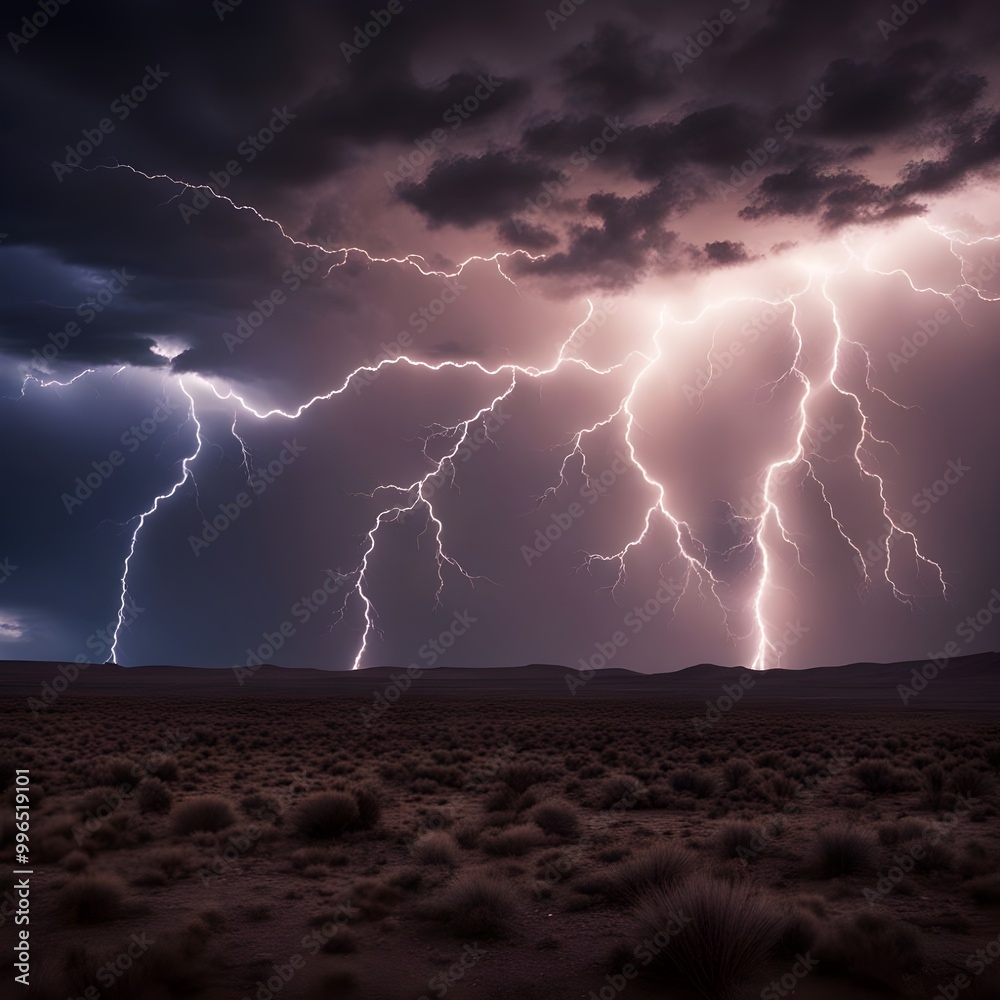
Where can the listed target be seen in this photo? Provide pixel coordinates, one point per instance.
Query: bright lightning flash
(416, 496)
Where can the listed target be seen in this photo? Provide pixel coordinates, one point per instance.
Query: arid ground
(228, 846)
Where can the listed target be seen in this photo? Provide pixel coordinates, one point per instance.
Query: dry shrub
(174, 862)
(901, 831)
(75, 862)
(739, 838)
(467, 834)
(844, 850)
(375, 898)
(519, 777)
(344, 942)
(692, 779)
(154, 796)
(620, 792)
(737, 773)
(514, 841)
(970, 781)
(934, 785)
(93, 899)
(435, 848)
(477, 905)
(203, 813)
(880, 778)
(327, 814)
(557, 818)
(369, 800)
(723, 932)
(115, 771)
(657, 867)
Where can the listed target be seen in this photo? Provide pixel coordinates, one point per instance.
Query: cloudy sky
(642, 334)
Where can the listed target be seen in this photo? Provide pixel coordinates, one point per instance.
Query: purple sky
(638, 333)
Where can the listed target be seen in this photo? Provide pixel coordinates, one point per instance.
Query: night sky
(438, 333)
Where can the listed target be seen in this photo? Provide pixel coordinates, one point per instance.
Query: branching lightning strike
(418, 495)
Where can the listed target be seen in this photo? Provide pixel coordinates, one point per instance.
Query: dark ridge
(967, 682)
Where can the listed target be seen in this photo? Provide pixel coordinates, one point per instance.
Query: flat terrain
(226, 845)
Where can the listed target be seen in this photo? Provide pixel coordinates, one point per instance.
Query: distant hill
(969, 682)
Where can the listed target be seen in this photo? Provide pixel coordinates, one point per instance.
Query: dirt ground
(304, 848)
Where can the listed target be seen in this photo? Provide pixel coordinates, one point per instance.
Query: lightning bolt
(30, 378)
(145, 515)
(416, 496)
(413, 259)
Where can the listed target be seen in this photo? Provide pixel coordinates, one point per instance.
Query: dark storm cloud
(466, 190)
(403, 110)
(836, 199)
(722, 253)
(606, 62)
(908, 88)
(617, 71)
(527, 235)
(975, 150)
(630, 240)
